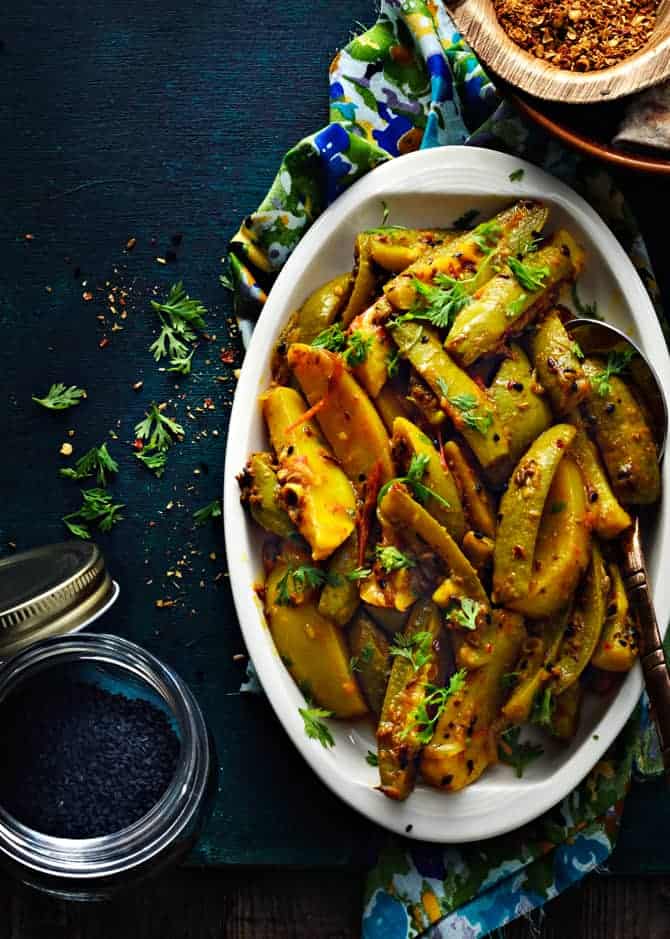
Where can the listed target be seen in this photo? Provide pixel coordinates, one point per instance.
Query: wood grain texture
(477, 21)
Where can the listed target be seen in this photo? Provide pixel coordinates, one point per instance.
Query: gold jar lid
(51, 591)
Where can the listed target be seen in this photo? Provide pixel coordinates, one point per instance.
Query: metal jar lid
(51, 591)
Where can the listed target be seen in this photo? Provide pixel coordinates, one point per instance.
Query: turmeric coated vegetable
(391, 403)
(476, 499)
(370, 659)
(314, 490)
(478, 549)
(623, 436)
(535, 670)
(368, 327)
(364, 280)
(347, 417)
(339, 598)
(562, 548)
(618, 648)
(397, 733)
(313, 649)
(520, 513)
(558, 366)
(260, 490)
(521, 406)
(465, 739)
(395, 249)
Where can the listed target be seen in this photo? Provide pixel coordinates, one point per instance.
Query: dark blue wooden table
(165, 122)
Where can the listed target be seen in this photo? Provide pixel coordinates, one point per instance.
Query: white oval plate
(423, 189)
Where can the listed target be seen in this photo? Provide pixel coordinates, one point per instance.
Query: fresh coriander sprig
(371, 758)
(577, 351)
(486, 236)
(334, 338)
(467, 404)
(299, 579)
(531, 279)
(543, 708)
(417, 648)
(437, 303)
(211, 510)
(415, 472)
(466, 614)
(589, 310)
(359, 573)
(428, 712)
(358, 347)
(392, 559)
(97, 508)
(159, 432)
(618, 361)
(154, 460)
(59, 398)
(515, 753)
(314, 727)
(180, 318)
(517, 175)
(393, 363)
(97, 462)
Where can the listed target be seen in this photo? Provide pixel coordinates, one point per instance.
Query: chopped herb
(467, 219)
(179, 317)
(97, 508)
(302, 578)
(211, 510)
(357, 349)
(577, 351)
(154, 460)
(429, 711)
(181, 364)
(391, 559)
(314, 726)
(359, 573)
(159, 430)
(367, 653)
(516, 306)
(467, 405)
(486, 236)
(392, 364)
(589, 310)
(371, 758)
(417, 648)
(557, 507)
(617, 362)
(97, 462)
(59, 398)
(516, 175)
(415, 471)
(333, 339)
(437, 303)
(510, 679)
(516, 754)
(543, 708)
(227, 282)
(531, 279)
(466, 616)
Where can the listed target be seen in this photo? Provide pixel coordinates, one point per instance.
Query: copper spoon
(596, 337)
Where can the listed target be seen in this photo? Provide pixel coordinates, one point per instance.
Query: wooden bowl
(477, 21)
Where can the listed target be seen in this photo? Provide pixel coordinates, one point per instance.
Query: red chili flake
(208, 404)
(130, 244)
(87, 295)
(560, 444)
(227, 356)
(103, 342)
(138, 444)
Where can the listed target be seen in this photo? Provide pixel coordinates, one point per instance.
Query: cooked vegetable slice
(558, 364)
(370, 659)
(509, 301)
(521, 510)
(260, 491)
(409, 442)
(372, 371)
(474, 495)
(364, 285)
(395, 249)
(618, 647)
(478, 549)
(585, 626)
(562, 548)
(339, 597)
(347, 417)
(420, 664)
(391, 403)
(467, 404)
(312, 647)
(521, 407)
(624, 438)
(565, 713)
(608, 517)
(316, 493)
(398, 509)
(465, 739)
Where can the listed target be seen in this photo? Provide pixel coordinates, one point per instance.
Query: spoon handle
(652, 657)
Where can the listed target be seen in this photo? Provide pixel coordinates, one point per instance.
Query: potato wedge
(520, 513)
(468, 405)
(519, 401)
(558, 365)
(407, 442)
(476, 500)
(624, 437)
(465, 740)
(316, 493)
(313, 649)
(608, 516)
(617, 649)
(562, 547)
(505, 305)
(260, 490)
(369, 649)
(347, 417)
(397, 735)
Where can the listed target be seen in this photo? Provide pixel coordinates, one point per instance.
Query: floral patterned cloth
(408, 82)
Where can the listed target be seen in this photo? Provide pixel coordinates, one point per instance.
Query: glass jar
(93, 868)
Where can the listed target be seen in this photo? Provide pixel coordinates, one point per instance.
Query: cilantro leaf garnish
(97, 508)
(437, 303)
(180, 317)
(359, 573)
(531, 279)
(96, 462)
(392, 364)
(618, 361)
(415, 472)
(159, 430)
(577, 351)
(543, 708)
(515, 753)
(181, 364)
(486, 236)
(333, 338)
(59, 398)
(299, 579)
(428, 712)
(517, 175)
(467, 404)
(154, 460)
(416, 648)
(211, 510)
(371, 758)
(466, 615)
(314, 727)
(589, 310)
(357, 349)
(466, 219)
(392, 559)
